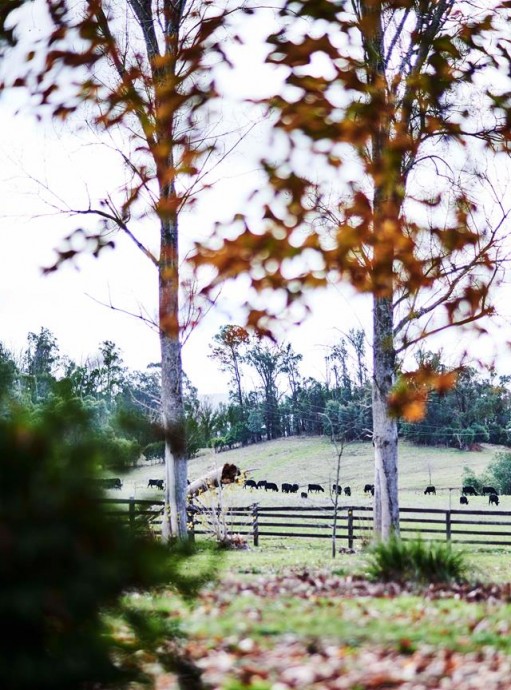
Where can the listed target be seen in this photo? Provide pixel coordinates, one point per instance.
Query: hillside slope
(306, 460)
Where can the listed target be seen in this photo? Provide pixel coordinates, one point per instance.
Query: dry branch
(227, 474)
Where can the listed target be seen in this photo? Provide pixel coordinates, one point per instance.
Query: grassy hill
(313, 460)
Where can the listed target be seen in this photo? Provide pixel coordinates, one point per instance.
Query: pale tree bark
(386, 503)
(163, 62)
(386, 211)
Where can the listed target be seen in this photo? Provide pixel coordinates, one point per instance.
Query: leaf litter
(292, 662)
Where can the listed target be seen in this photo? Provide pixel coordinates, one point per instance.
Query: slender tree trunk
(386, 504)
(386, 211)
(175, 521)
(237, 376)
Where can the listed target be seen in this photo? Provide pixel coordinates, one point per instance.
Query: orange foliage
(409, 396)
(370, 240)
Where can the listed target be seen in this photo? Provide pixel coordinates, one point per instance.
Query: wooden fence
(354, 524)
(139, 513)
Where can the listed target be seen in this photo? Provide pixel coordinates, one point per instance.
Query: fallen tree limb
(227, 474)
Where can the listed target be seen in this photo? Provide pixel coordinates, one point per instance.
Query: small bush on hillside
(64, 561)
(498, 474)
(477, 482)
(500, 471)
(120, 453)
(417, 562)
(155, 451)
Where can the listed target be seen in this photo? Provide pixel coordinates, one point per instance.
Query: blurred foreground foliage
(64, 563)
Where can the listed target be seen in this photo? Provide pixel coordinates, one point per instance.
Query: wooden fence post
(255, 524)
(350, 528)
(448, 525)
(131, 511)
(191, 524)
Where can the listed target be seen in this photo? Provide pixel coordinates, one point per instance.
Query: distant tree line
(268, 396)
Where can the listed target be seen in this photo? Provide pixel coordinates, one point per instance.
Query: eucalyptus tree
(387, 107)
(8, 373)
(270, 361)
(110, 372)
(144, 69)
(228, 349)
(42, 357)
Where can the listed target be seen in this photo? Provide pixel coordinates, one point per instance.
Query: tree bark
(176, 462)
(386, 504)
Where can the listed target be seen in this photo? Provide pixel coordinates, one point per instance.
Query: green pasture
(278, 556)
(307, 460)
(312, 460)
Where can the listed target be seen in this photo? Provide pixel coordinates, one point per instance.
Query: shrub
(119, 453)
(155, 450)
(500, 470)
(416, 562)
(471, 479)
(63, 560)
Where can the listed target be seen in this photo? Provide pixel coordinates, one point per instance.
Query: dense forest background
(268, 398)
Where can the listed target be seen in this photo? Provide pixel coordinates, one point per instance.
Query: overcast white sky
(69, 302)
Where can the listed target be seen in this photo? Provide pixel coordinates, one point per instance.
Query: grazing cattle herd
(294, 488)
(288, 488)
(466, 491)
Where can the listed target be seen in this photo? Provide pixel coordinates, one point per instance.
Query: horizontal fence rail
(352, 523)
(142, 514)
(355, 524)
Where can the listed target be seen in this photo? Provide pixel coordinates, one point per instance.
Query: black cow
(469, 491)
(315, 488)
(113, 483)
(157, 483)
(250, 484)
(261, 484)
(430, 490)
(294, 488)
(369, 489)
(337, 488)
(303, 495)
(270, 486)
(464, 500)
(287, 488)
(489, 490)
(493, 499)
(347, 491)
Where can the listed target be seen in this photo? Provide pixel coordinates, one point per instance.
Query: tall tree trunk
(386, 504)
(386, 211)
(175, 520)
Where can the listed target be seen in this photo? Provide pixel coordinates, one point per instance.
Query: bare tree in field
(387, 109)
